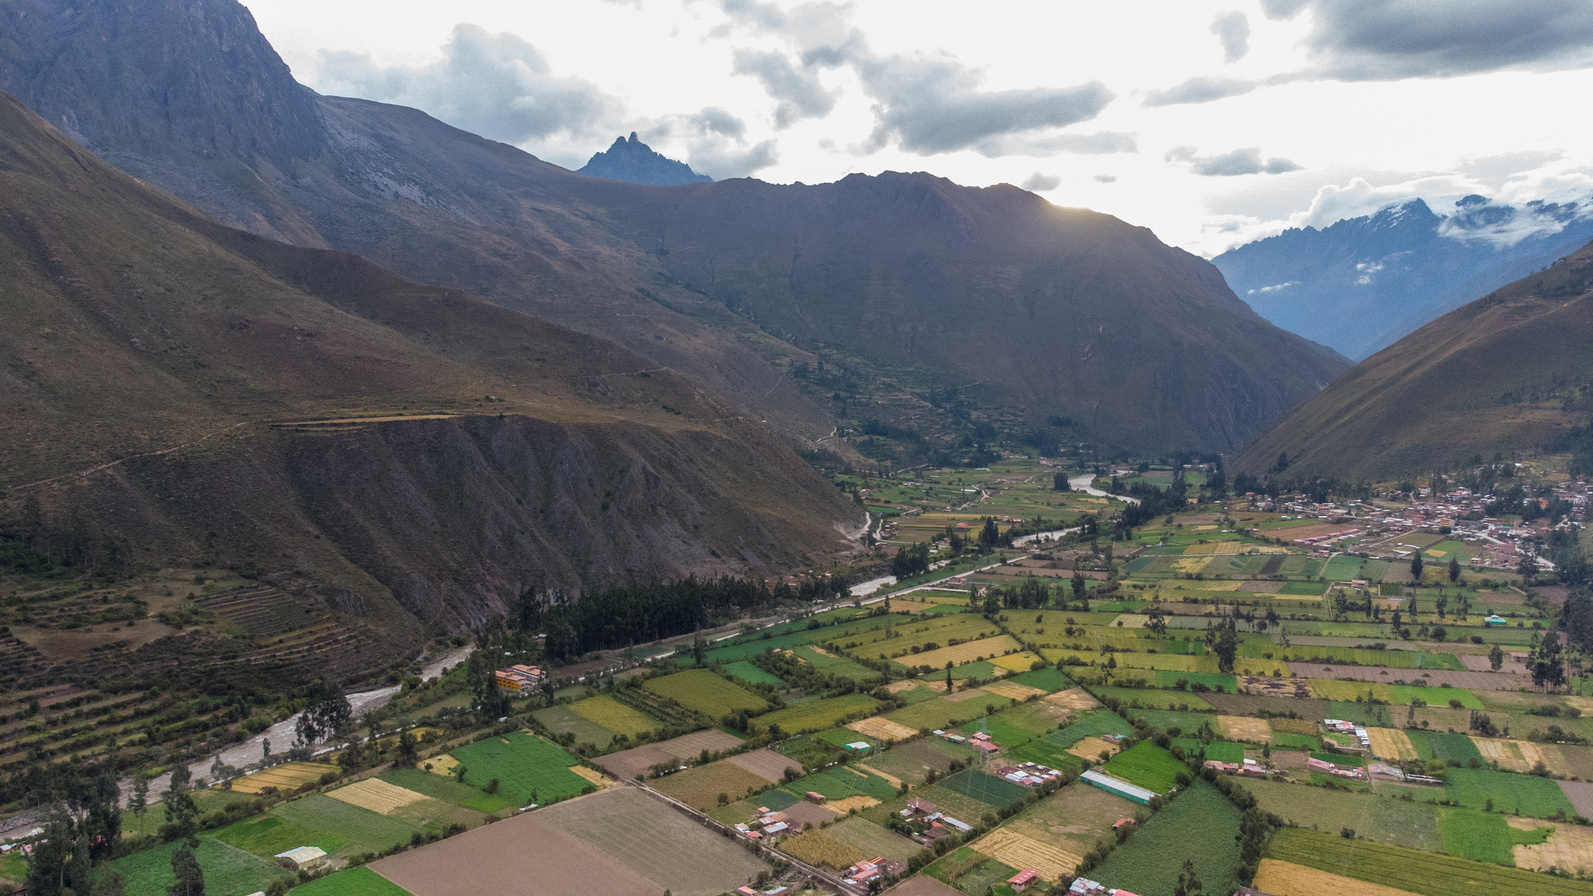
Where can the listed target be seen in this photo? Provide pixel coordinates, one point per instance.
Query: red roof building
(1020, 881)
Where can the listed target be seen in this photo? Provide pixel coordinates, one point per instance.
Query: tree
(1226, 645)
(182, 814)
(138, 803)
(1416, 566)
(1496, 658)
(190, 877)
(408, 751)
(1188, 881)
(1548, 663)
(989, 535)
(1454, 569)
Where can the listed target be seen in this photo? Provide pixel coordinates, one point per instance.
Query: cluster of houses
(1350, 728)
(1029, 774)
(1341, 771)
(877, 868)
(937, 824)
(979, 740)
(1249, 768)
(1083, 886)
(769, 824)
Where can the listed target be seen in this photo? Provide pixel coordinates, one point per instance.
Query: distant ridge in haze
(634, 161)
(1362, 283)
(1507, 373)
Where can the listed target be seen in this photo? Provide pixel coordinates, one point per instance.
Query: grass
(1405, 694)
(943, 713)
(1134, 698)
(614, 715)
(1479, 836)
(752, 674)
(816, 715)
(360, 881)
(843, 781)
(1048, 679)
(268, 835)
(1147, 765)
(1415, 871)
(1095, 724)
(701, 786)
(985, 788)
(435, 786)
(528, 768)
(1384, 820)
(228, 870)
(702, 691)
(1456, 749)
(1295, 741)
(1200, 825)
(362, 829)
(1221, 751)
(1524, 794)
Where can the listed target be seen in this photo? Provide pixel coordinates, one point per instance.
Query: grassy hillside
(1507, 373)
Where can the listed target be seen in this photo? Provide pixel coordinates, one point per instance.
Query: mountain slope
(409, 458)
(1036, 313)
(1507, 373)
(634, 161)
(1363, 283)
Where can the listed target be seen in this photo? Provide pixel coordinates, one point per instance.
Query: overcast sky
(1212, 123)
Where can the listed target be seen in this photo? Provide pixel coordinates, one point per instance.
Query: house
(817, 799)
(1020, 881)
(303, 858)
(1085, 887)
(1495, 620)
(518, 680)
(918, 806)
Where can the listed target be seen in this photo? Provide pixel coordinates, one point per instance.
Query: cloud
(1106, 178)
(1049, 144)
(798, 91)
(1277, 287)
(1358, 40)
(765, 15)
(714, 142)
(1041, 183)
(495, 85)
(1233, 29)
(931, 105)
(1230, 164)
(1200, 90)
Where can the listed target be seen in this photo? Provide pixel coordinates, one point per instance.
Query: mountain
(634, 161)
(952, 311)
(1363, 283)
(401, 459)
(1507, 373)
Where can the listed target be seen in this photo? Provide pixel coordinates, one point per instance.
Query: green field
(528, 768)
(841, 782)
(1479, 836)
(752, 674)
(1523, 794)
(268, 835)
(985, 788)
(702, 691)
(1200, 825)
(1425, 873)
(942, 713)
(364, 830)
(1384, 820)
(1147, 765)
(1095, 724)
(353, 882)
(816, 715)
(229, 871)
(614, 715)
(1456, 749)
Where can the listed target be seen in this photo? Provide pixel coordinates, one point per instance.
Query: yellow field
(1391, 743)
(285, 777)
(613, 715)
(1294, 726)
(841, 807)
(596, 777)
(1347, 691)
(909, 606)
(963, 653)
(1022, 661)
(1515, 755)
(1190, 564)
(818, 847)
(1245, 728)
(1569, 848)
(1091, 748)
(1131, 620)
(376, 795)
(1286, 879)
(1073, 698)
(1215, 547)
(442, 765)
(1018, 851)
(882, 728)
(1012, 690)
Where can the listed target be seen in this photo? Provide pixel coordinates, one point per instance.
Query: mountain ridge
(634, 161)
(442, 206)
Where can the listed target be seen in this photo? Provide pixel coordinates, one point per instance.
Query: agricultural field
(702, 786)
(528, 768)
(229, 871)
(1414, 871)
(360, 881)
(614, 716)
(1200, 824)
(1146, 765)
(627, 764)
(816, 715)
(1507, 792)
(285, 778)
(702, 691)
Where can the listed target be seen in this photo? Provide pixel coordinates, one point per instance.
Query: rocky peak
(634, 161)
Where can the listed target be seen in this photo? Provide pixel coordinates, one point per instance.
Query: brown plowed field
(922, 885)
(627, 764)
(1286, 879)
(766, 764)
(1580, 793)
